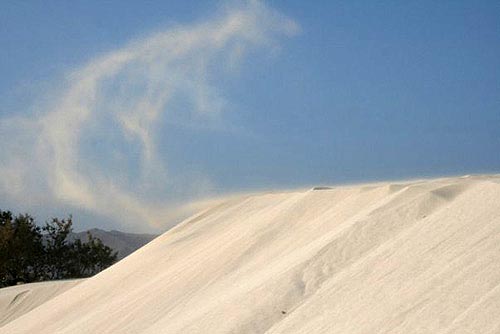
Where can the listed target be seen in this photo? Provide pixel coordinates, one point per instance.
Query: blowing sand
(408, 257)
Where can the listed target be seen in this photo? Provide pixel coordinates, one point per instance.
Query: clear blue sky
(359, 91)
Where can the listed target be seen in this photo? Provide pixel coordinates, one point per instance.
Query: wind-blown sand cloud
(94, 146)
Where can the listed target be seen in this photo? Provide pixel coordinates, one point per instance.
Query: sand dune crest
(402, 257)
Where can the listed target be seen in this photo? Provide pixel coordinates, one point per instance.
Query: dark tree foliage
(21, 249)
(29, 253)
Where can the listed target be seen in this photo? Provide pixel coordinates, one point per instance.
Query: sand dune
(400, 257)
(20, 299)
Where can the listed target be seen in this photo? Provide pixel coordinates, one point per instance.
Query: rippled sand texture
(401, 257)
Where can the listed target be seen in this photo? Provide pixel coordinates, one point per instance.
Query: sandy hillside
(20, 299)
(409, 257)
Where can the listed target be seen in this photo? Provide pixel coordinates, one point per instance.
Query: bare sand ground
(398, 257)
(18, 300)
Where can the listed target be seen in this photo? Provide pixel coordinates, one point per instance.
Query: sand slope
(20, 299)
(409, 257)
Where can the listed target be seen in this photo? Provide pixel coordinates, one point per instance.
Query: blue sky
(285, 94)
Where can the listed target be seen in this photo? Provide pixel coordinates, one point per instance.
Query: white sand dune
(20, 299)
(408, 257)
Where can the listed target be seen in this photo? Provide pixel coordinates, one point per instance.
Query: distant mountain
(123, 243)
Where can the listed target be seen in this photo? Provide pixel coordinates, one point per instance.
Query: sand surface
(20, 299)
(399, 257)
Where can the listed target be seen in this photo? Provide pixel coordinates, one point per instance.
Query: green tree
(58, 252)
(30, 253)
(89, 257)
(21, 249)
